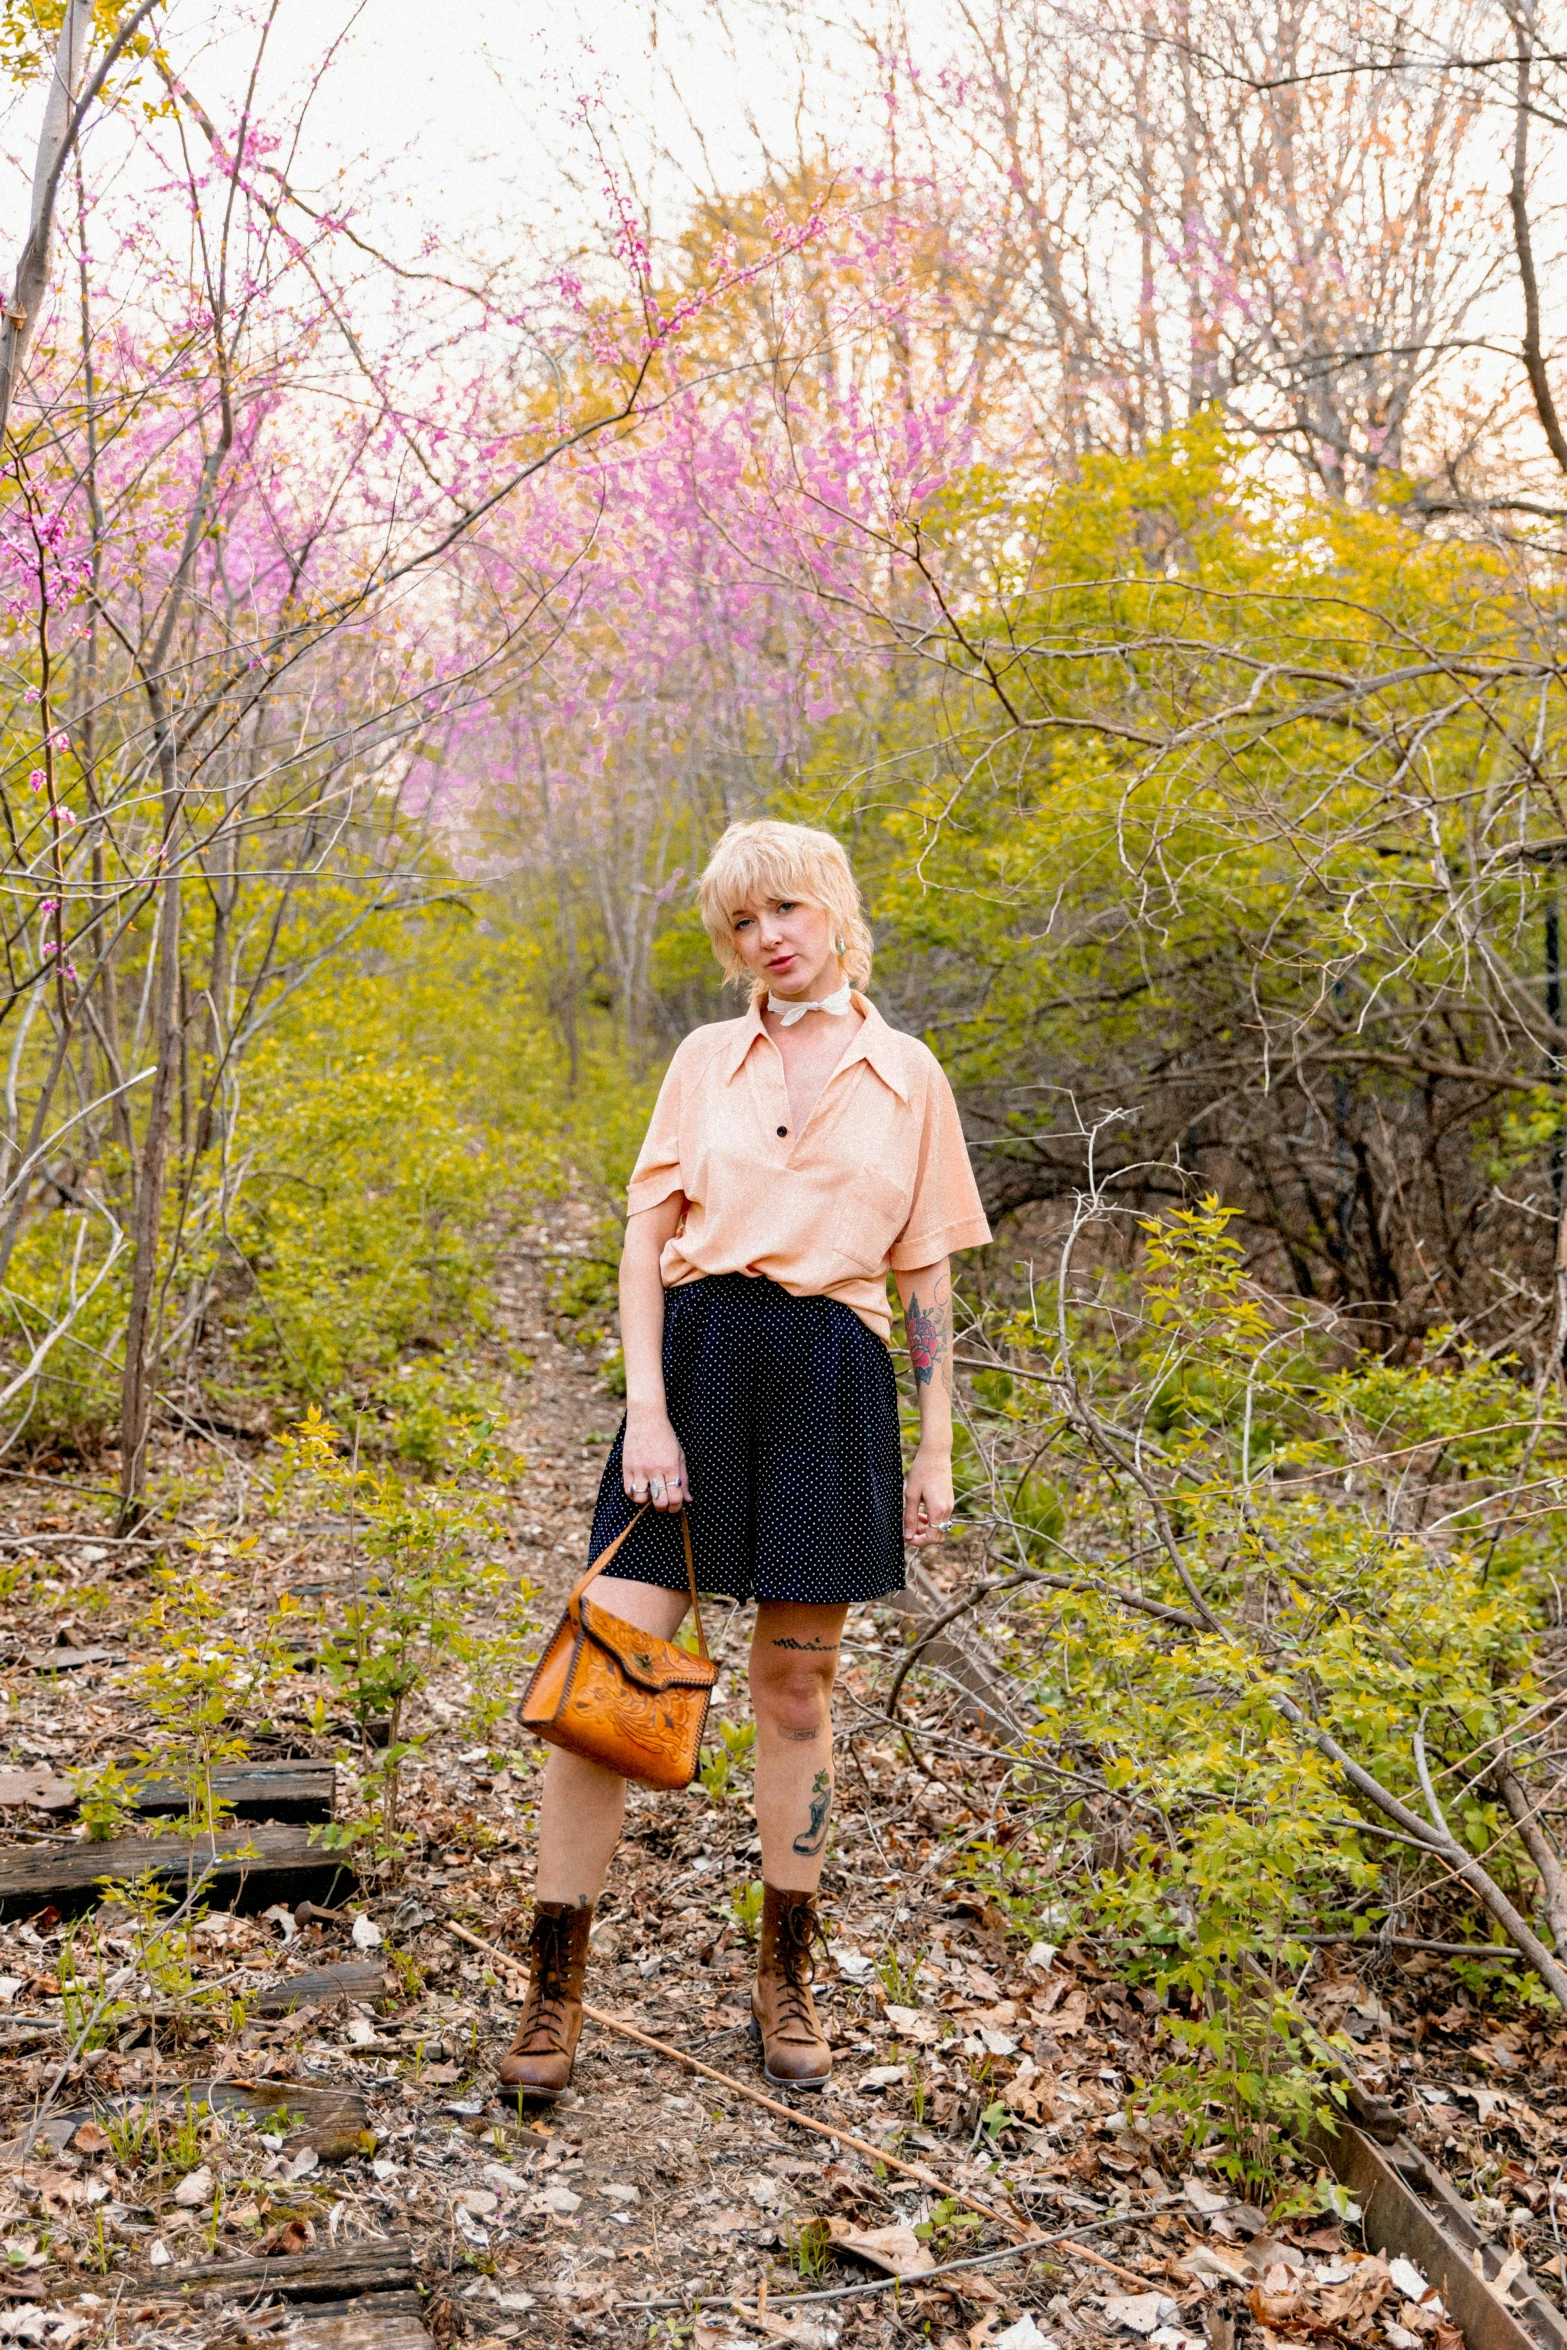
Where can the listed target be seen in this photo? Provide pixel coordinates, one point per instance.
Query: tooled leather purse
(618, 1695)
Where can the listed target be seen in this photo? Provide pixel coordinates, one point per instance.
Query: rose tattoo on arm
(928, 1337)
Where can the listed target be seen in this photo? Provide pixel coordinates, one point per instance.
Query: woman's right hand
(653, 1467)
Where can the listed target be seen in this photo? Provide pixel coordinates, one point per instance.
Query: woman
(793, 1156)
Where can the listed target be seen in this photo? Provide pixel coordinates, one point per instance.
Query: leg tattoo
(815, 1835)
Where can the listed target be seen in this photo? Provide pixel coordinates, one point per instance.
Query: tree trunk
(1522, 20)
(224, 888)
(32, 271)
(147, 1215)
(1536, 1841)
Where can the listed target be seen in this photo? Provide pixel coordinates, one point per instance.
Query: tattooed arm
(927, 1317)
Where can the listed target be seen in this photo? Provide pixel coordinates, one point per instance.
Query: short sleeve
(657, 1171)
(945, 1213)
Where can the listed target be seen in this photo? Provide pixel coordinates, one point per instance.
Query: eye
(786, 905)
(740, 922)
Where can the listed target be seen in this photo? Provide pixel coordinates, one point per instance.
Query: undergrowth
(1212, 1543)
(399, 1114)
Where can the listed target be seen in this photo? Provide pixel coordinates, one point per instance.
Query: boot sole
(787, 2080)
(537, 2096)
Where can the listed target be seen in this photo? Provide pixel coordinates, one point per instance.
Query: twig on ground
(1371, 1943)
(42, 1541)
(1023, 2229)
(924, 2276)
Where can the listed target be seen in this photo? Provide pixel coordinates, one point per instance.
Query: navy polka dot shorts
(787, 1408)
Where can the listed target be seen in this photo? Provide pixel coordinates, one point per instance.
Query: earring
(838, 945)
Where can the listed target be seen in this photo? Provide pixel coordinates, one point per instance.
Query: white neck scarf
(787, 1013)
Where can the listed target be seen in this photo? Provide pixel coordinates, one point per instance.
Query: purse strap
(608, 1552)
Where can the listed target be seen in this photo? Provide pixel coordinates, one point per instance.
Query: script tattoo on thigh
(815, 1835)
(811, 1647)
(927, 1329)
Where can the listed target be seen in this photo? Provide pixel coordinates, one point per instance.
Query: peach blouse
(878, 1176)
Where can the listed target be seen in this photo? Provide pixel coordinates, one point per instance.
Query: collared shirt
(878, 1176)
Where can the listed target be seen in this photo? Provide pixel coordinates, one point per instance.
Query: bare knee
(792, 1693)
(796, 1705)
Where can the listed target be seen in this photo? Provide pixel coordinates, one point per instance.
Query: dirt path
(1006, 2068)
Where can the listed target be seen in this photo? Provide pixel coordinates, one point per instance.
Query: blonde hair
(769, 859)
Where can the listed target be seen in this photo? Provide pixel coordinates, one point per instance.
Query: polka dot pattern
(787, 1408)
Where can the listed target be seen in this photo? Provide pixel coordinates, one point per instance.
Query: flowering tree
(747, 570)
(253, 552)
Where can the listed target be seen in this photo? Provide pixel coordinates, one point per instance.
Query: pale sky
(462, 111)
(457, 116)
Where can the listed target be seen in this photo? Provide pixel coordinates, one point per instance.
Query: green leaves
(1375, 1545)
(736, 1747)
(420, 1595)
(1221, 827)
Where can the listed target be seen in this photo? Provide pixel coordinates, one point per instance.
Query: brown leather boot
(795, 2054)
(539, 2060)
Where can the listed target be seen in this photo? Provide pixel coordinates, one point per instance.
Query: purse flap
(652, 1663)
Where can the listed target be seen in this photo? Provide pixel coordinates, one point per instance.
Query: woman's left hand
(927, 1496)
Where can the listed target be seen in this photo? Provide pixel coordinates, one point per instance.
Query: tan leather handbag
(623, 1698)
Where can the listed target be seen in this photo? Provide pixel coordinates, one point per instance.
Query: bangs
(771, 869)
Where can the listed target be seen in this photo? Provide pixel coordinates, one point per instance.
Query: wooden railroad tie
(246, 1868)
(363, 2297)
(302, 1792)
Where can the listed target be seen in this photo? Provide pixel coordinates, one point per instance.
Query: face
(788, 942)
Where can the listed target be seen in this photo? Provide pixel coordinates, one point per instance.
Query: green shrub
(1242, 1546)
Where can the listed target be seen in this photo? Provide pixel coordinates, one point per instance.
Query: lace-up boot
(795, 2054)
(539, 2060)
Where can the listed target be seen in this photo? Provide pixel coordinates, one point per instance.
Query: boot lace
(543, 2027)
(799, 1928)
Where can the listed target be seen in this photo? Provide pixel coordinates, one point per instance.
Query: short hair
(769, 858)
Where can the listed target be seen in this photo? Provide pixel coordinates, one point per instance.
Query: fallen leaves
(896, 2250)
(913, 2023)
(1212, 2264)
(1025, 2335)
(593, 2184)
(293, 2237)
(1071, 2016)
(1140, 2313)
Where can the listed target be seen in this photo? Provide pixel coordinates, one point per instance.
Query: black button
(783, 1129)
